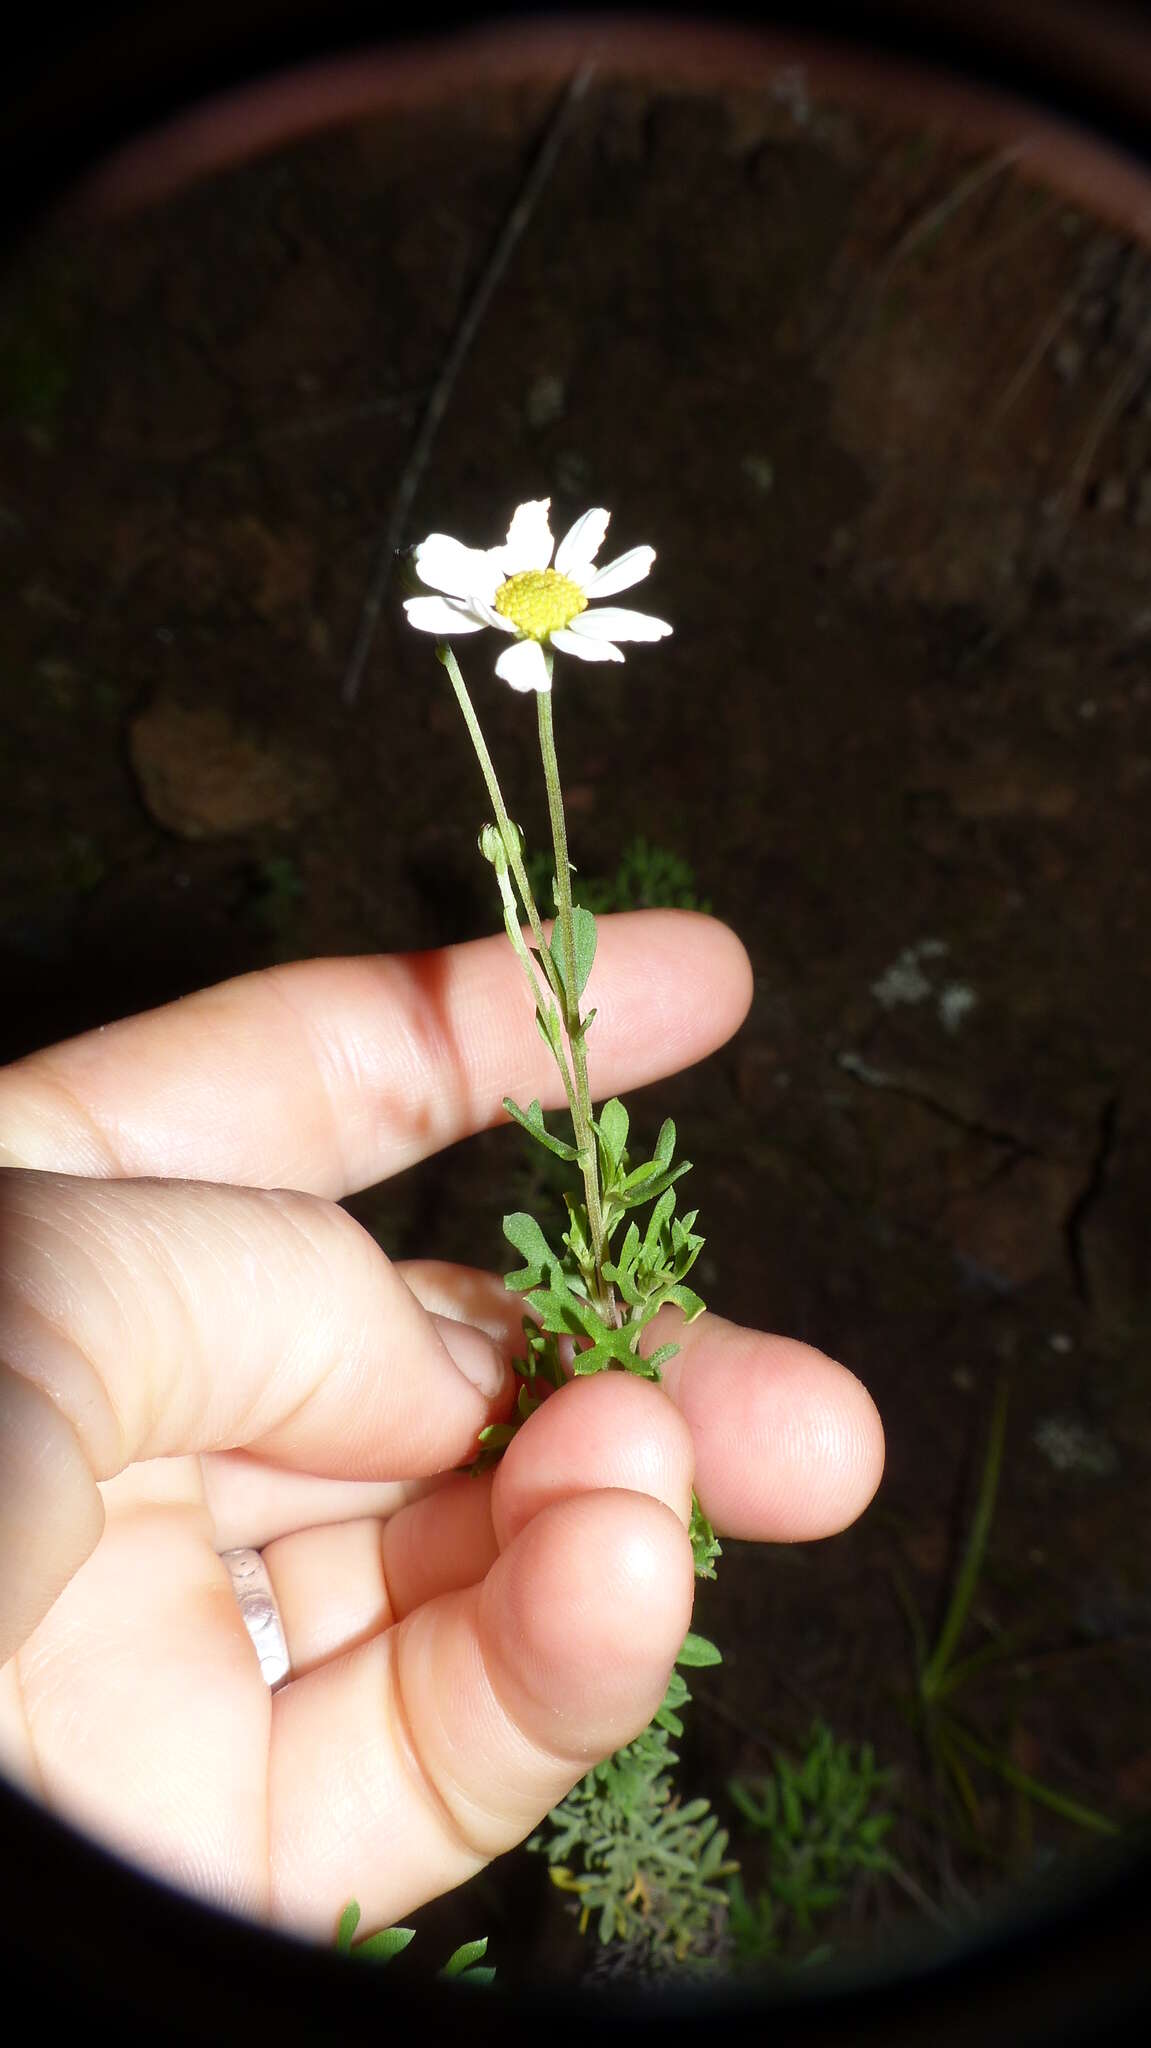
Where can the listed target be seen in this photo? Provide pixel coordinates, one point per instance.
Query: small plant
(648, 1868)
(587, 1292)
(647, 1871)
(823, 1828)
(941, 1675)
(391, 1942)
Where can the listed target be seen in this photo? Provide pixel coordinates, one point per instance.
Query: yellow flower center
(538, 601)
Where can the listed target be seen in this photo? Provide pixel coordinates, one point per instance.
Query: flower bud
(491, 845)
(406, 576)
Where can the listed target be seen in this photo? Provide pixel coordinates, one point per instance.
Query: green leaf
(649, 1181)
(873, 1830)
(653, 1365)
(759, 1813)
(548, 1026)
(583, 941)
(698, 1652)
(524, 1233)
(613, 1347)
(543, 1358)
(694, 1810)
(660, 1159)
(677, 1693)
(349, 1921)
(824, 1896)
(621, 1269)
(611, 1128)
(651, 1252)
(562, 1310)
(640, 1176)
(705, 1545)
(713, 1864)
(954, 1621)
(382, 1947)
(498, 1435)
(792, 1807)
(576, 1236)
(469, 1952)
(684, 1297)
(532, 1120)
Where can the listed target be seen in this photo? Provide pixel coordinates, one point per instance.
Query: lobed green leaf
(531, 1120)
(691, 1303)
(523, 1232)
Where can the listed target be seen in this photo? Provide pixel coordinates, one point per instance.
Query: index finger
(329, 1075)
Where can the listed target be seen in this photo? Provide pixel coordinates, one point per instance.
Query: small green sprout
(461, 1967)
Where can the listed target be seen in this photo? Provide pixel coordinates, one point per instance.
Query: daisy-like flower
(520, 591)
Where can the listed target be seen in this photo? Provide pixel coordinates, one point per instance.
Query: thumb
(450, 1736)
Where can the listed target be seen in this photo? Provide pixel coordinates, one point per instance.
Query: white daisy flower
(519, 590)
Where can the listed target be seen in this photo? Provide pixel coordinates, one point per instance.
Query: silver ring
(257, 1602)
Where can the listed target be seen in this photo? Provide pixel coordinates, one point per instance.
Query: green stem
(508, 832)
(510, 840)
(1033, 1788)
(954, 1621)
(512, 928)
(980, 1660)
(582, 1111)
(560, 842)
(944, 1751)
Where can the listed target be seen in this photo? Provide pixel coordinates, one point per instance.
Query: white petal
(529, 543)
(620, 574)
(490, 616)
(489, 578)
(524, 667)
(612, 622)
(581, 544)
(446, 564)
(587, 650)
(440, 615)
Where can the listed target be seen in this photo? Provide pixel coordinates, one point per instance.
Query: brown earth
(885, 407)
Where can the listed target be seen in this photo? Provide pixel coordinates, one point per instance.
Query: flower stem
(582, 1107)
(551, 1024)
(575, 1081)
(509, 833)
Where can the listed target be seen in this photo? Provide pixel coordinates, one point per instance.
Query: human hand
(200, 1351)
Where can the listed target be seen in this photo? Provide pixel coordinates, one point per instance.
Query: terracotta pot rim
(287, 106)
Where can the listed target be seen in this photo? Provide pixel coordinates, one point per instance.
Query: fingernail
(480, 1361)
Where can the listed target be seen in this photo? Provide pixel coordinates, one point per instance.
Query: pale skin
(199, 1350)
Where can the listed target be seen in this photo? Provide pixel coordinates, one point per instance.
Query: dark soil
(885, 408)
